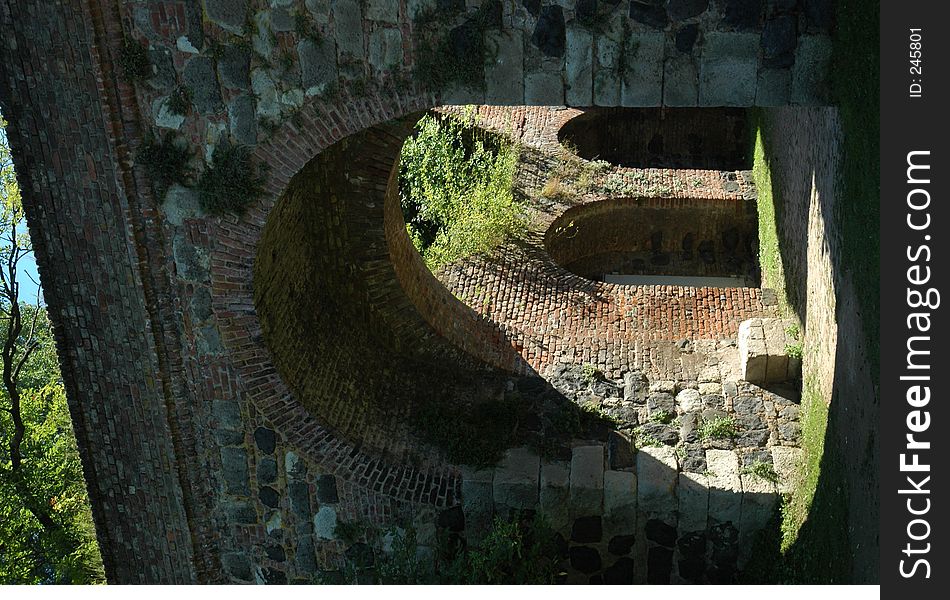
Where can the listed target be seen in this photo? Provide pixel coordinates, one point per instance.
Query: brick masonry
(202, 464)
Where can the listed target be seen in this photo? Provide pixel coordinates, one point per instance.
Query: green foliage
(306, 29)
(165, 162)
(592, 373)
(794, 350)
(133, 60)
(456, 190)
(663, 416)
(232, 182)
(762, 470)
(719, 428)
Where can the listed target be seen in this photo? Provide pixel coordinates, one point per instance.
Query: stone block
(324, 523)
(477, 500)
(542, 88)
(348, 21)
(385, 49)
(620, 502)
(689, 400)
(234, 471)
(516, 479)
(728, 69)
(786, 461)
(607, 76)
(578, 65)
(759, 498)
(202, 83)
(381, 10)
(317, 66)
(234, 67)
(753, 359)
(725, 486)
(680, 82)
(693, 492)
(504, 78)
(555, 495)
(163, 115)
(810, 73)
(242, 120)
(642, 83)
(229, 14)
(657, 474)
(587, 480)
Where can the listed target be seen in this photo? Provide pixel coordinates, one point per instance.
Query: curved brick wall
(686, 138)
(681, 236)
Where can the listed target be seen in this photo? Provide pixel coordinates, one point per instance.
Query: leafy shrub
(456, 190)
(165, 162)
(794, 351)
(179, 102)
(232, 182)
(720, 427)
(762, 470)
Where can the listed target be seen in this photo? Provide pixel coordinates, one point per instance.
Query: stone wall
(202, 462)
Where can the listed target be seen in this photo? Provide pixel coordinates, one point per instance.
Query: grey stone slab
(229, 14)
(643, 80)
(587, 480)
(759, 498)
(607, 74)
(810, 73)
(234, 67)
(265, 90)
(725, 486)
(689, 400)
(728, 69)
(348, 22)
(620, 502)
(693, 492)
(504, 77)
(657, 475)
(516, 479)
(543, 88)
(381, 10)
(318, 69)
(242, 120)
(324, 523)
(320, 10)
(578, 65)
(786, 462)
(680, 82)
(555, 494)
(477, 499)
(385, 49)
(234, 471)
(200, 79)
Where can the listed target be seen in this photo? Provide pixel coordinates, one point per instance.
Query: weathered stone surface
(320, 9)
(587, 480)
(650, 12)
(693, 493)
(725, 487)
(305, 557)
(516, 479)
(659, 565)
(621, 544)
(634, 384)
(163, 68)
(578, 65)
(809, 75)
(324, 523)
(759, 498)
(680, 82)
(294, 467)
(689, 400)
(381, 10)
(728, 69)
(477, 501)
(266, 439)
(504, 78)
(686, 37)
(267, 470)
(660, 403)
(348, 21)
(385, 49)
(327, 490)
(266, 93)
(234, 471)
(642, 83)
(620, 451)
(229, 14)
(742, 14)
(234, 67)
(242, 119)
(779, 38)
(199, 77)
(555, 494)
(684, 9)
(785, 461)
(163, 115)
(661, 533)
(237, 565)
(318, 69)
(691, 550)
(543, 89)
(549, 32)
(239, 511)
(607, 75)
(656, 481)
(620, 501)
(269, 496)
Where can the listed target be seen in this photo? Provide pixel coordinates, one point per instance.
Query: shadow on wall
(838, 539)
